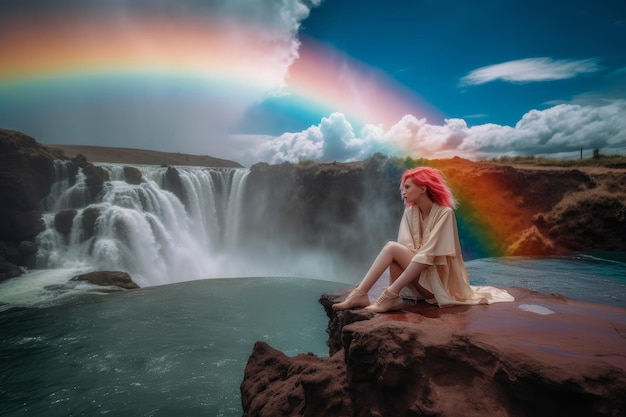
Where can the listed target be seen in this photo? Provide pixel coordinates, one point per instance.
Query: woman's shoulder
(438, 207)
(442, 210)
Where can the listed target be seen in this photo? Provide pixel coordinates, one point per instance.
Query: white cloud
(559, 130)
(530, 70)
(332, 140)
(293, 147)
(162, 112)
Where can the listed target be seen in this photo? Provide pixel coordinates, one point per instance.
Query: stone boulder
(174, 184)
(108, 279)
(8, 269)
(63, 221)
(95, 177)
(132, 175)
(27, 250)
(542, 355)
(89, 221)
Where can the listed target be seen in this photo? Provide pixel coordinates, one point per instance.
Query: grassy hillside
(142, 156)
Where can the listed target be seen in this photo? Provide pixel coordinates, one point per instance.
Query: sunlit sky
(260, 80)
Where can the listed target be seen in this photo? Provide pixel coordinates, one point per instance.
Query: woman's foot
(356, 299)
(387, 301)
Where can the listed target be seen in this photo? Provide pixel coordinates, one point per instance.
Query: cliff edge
(503, 210)
(26, 175)
(542, 355)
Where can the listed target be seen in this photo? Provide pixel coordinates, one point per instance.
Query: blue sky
(432, 46)
(496, 63)
(502, 78)
(507, 77)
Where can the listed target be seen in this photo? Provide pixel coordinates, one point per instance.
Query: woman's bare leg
(394, 256)
(392, 253)
(394, 272)
(408, 276)
(389, 300)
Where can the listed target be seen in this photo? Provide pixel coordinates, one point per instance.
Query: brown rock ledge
(509, 359)
(108, 279)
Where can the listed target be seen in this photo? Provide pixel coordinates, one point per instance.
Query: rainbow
(209, 55)
(207, 51)
(325, 75)
(104, 49)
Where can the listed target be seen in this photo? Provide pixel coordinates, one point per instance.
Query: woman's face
(411, 192)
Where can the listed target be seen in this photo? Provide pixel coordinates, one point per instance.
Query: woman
(427, 256)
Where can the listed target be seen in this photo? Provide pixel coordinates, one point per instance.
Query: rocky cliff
(542, 355)
(350, 209)
(26, 174)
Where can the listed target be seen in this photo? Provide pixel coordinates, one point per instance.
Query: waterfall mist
(173, 224)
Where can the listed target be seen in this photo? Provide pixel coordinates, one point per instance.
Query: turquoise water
(175, 350)
(181, 349)
(595, 277)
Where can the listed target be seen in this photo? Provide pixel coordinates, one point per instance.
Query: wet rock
(80, 160)
(10, 252)
(305, 385)
(95, 176)
(27, 225)
(132, 175)
(108, 278)
(63, 221)
(542, 355)
(8, 269)
(174, 184)
(88, 221)
(27, 250)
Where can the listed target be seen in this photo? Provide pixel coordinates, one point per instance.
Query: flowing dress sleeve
(446, 277)
(407, 235)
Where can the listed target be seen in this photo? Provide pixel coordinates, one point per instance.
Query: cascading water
(157, 236)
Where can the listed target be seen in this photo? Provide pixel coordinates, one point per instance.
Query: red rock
(505, 359)
(305, 385)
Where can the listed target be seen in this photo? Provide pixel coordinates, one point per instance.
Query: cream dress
(435, 242)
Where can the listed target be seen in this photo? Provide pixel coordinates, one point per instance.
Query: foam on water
(45, 287)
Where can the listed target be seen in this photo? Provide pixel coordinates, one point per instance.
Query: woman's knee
(398, 252)
(391, 245)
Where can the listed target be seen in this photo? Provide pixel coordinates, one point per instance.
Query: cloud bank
(154, 109)
(530, 70)
(186, 117)
(560, 131)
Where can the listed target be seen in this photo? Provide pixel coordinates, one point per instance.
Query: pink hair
(433, 180)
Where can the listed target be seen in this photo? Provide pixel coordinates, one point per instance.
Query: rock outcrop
(26, 175)
(108, 279)
(542, 355)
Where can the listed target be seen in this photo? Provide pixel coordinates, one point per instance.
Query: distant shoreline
(142, 156)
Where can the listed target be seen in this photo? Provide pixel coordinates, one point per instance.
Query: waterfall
(158, 230)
